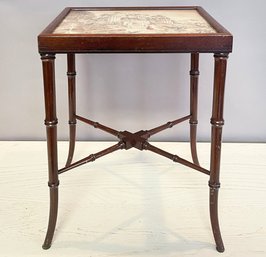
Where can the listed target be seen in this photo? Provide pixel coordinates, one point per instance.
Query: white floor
(132, 203)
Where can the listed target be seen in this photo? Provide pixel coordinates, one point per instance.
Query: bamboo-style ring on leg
(51, 132)
(217, 123)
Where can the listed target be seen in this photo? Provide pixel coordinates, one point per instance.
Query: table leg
(51, 131)
(194, 74)
(71, 73)
(216, 138)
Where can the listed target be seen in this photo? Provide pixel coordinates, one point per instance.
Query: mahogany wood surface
(194, 74)
(219, 43)
(51, 131)
(71, 73)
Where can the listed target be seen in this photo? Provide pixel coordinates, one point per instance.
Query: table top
(134, 29)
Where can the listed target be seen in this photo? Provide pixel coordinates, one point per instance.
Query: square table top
(134, 29)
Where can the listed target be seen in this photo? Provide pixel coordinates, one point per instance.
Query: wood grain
(132, 203)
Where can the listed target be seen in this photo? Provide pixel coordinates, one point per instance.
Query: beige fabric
(134, 22)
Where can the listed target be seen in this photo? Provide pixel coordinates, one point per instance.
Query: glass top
(134, 22)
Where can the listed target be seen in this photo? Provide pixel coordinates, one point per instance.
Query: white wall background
(132, 92)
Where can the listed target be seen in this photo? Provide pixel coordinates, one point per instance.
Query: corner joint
(221, 55)
(47, 57)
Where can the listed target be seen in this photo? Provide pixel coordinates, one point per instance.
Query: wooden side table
(134, 30)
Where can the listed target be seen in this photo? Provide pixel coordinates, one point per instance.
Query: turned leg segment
(51, 131)
(71, 73)
(194, 75)
(217, 123)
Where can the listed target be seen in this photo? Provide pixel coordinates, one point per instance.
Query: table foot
(220, 249)
(52, 217)
(214, 217)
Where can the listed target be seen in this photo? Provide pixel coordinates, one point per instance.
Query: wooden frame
(50, 44)
(133, 43)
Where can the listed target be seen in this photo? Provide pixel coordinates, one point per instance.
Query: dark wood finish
(175, 158)
(194, 75)
(134, 43)
(51, 123)
(93, 157)
(71, 74)
(138, 140)
(219, 43)
(217, 122)
(98, 125)
(167, 125)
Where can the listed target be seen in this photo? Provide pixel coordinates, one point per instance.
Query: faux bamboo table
(134, 30)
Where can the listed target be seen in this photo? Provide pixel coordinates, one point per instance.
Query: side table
(134, 30)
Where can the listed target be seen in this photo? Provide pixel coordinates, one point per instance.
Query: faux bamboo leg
(194, 74)
(71, 73)
(216, 138)
(51, 131)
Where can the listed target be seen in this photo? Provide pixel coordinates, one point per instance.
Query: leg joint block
(72, 122)
(193, 122)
